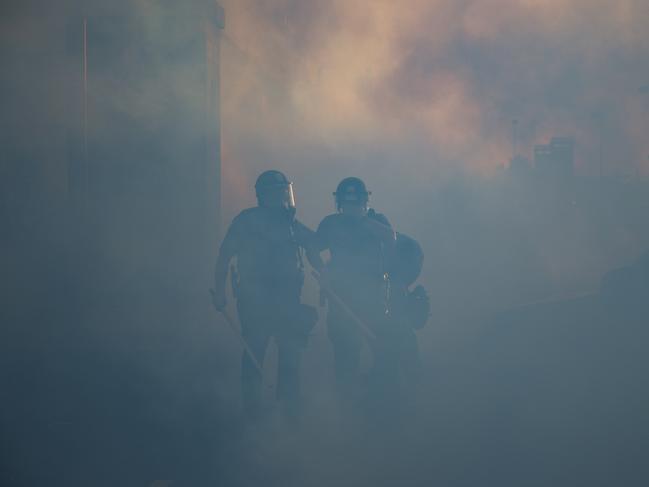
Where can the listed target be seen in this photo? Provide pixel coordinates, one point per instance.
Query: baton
(338, 300)
(246, 347)
(242, 340)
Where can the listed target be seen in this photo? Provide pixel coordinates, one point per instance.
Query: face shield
(278, 196)
(290, 196)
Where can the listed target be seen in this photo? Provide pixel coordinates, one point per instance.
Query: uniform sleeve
(319, 241)
(228, 249)
(303, 234)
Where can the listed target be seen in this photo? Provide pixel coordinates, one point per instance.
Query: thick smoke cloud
(119, 372)
(445, 77)
(419, 97)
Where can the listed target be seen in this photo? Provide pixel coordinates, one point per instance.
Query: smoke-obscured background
(115, 369)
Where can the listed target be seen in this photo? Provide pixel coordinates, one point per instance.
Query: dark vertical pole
(514, 138)
(213, 115)
(597, 118)
(76, 104)
(85, 169)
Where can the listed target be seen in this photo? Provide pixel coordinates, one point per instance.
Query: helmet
(274, 189)
(351, 191)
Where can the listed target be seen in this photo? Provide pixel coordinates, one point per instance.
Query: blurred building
(112, 124)
(555, 161)
(143, 102)
(554, 173)
(520, 165)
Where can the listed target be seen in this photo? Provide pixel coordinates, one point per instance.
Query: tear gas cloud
(433, 84)
(118, 369)
(418, 98)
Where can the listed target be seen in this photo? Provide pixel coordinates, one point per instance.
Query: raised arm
(380, 227)
(310, 242)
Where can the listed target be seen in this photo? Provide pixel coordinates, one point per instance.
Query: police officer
(358, 240)
(268, 241)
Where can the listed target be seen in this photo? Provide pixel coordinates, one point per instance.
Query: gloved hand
(218, 299)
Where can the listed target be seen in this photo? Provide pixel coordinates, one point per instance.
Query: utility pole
(78, 171)
(214, 26)
(643, 90)
(601, 149)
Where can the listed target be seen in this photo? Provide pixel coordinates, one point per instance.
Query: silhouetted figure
(267, 242)
(358, 240)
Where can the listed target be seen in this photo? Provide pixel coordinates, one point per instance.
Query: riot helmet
(273, 190)
(351, 192)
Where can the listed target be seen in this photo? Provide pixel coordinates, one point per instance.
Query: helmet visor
(278, 195)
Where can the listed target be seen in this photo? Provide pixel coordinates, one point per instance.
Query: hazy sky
(433, 83)
(387, 89)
